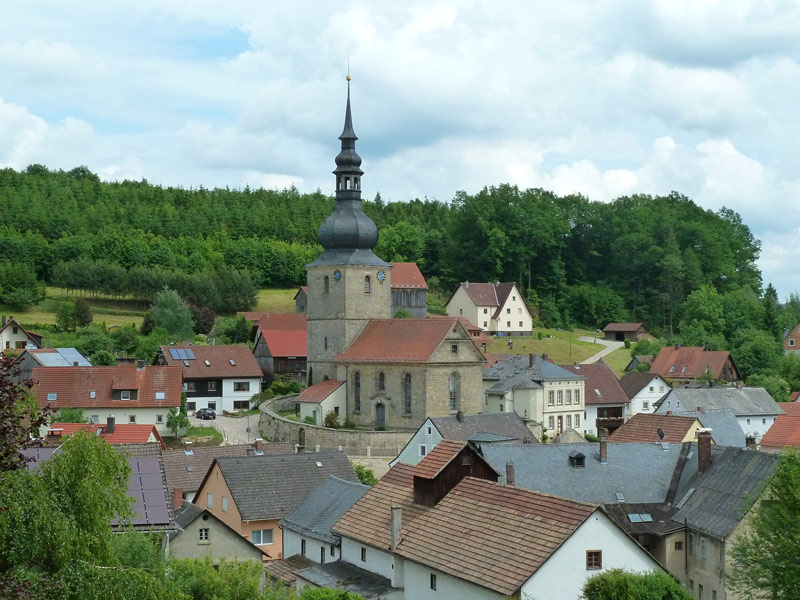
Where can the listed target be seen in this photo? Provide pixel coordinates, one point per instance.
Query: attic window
(161, 395)
(453, 348)
(577, 459)
(208, 362)
(186, 363)
(233, 362)
(93, 394)
(672, 369)
(620, 497)
(188, 452)
(189, 468)
(125, 395)
(640, 518)
(683, 370)
(52, 396)
(319, 464)
(596, 391)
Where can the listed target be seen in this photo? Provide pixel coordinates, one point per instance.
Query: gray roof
(517, 373)
(725, 491)
(270, 487)
(480, 428)
(745, 401)
(315, 515)
(546, 468)
(62, 357)
(339, 574)
(186, 513)
(725, 429)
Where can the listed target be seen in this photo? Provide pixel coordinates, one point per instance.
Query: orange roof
(643, 427)
(286, 342)
(437, 459)
(601, 385)
(398, 340)
(214, 361)
(794, 396)
(791, 408)
(266, 321)
(494, 358)
(689, 362)
(785, 431)
(124, 433)
(74, 387)
(407, 275)
(319, 391)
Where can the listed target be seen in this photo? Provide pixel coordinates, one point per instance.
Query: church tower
(347, 283)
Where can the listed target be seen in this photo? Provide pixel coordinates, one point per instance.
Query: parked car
(206, 413)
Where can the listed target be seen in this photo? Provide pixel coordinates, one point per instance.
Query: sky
(604, 98)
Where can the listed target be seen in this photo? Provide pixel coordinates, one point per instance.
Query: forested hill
(581, 261)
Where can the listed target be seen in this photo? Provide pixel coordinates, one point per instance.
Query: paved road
(609, 348)
(235, 430)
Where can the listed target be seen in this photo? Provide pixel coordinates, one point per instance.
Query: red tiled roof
(624, 327)
(74, 385)
(794, 396)
(319, 391)
(481, 294)
(437, 459)
(494, 358)
(265, 321)
(124, 433)
(219, 359)
(785, 431)
(643, 427)
(286, 342)
(398, 340)
(407, 275)
(599, 378)
(791, 408)
(694, 358)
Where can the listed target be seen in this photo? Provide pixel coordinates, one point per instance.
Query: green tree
(173, 315)
(765, 562)
(774, 384)
(103, 358)
(124, 339)
(232, 330)
(756, 352)
(65, 316)
(69, 415)
(83, 312)
(176, 420)
(365, 475)
(772, 313)
(18, 285)
(617, 584)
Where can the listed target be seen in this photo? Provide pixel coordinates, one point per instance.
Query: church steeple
(348, 235)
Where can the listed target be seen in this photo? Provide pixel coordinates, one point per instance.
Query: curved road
(609, 348)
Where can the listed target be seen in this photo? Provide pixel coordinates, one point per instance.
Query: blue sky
(605, 98)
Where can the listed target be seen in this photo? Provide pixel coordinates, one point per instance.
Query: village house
(497, 308)
(688, 364)
(791, 339)
(280, 345)
(619, 332)
(639, 360)
(222, 378)
(252, 494)
(606, 403)
(301, 300)
(137, 394)
(14, 336)
(643, 390)
(785, 431)
(110, 431)
(48, 357)
(537, 390)
(322, 398)
(667, 428)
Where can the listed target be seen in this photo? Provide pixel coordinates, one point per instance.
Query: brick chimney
(669, 413)
(510, 478)
(259, 444)
(545, 357)
(603, 434)
(110, 426)
(703, 448)
(460, 416)
(701, 410)
(177, 498)
(397, 524)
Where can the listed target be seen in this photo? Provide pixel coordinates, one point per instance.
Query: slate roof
(515, 530)
(270, 487)
(407, 275)
(725, 491)
(187, 471)
(516, 373)
(319, 391)
(785, 431)
(73, 386)
(622, 327)
(58, 357)
(546, 468)
(602, 384)
(284, 570)
(350, 578)
(399, 340)
(643, 427)
(286, 342)
(214, 361)
(695, 359)
(508, 426)
(124, 433)
(315, 515)
(186, 513)
(725, 429)
(632, 383)
(492, 358)
(743, 402)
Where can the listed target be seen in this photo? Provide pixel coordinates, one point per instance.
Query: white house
(644, 390)
(223, 378)
(14, 336)
(321, 398)
(607, 405)
(497, 308)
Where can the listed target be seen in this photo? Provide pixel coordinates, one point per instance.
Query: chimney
(460, 416)
(669, 413)
(140, 364)
(545, 357)
(677, 346)
(466, 284)
(259, 445)
(703, 448)
(397, 524)
(603, 434)
(177, 498)
(510, 479)
(701, 410)
(110, 424)
(531, 360)
(4, 320)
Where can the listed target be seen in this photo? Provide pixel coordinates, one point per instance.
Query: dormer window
(672, 369)
(52, 396)
(683, 370)
(125, 395)
(577, 459)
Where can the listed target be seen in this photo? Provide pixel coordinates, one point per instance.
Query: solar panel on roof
(158, 514)
(173, 353)
(190, 354)
(182, 353)
(149, 465)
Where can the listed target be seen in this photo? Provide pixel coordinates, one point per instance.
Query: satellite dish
(660, 433)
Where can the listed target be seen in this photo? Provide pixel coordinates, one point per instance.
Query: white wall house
(494, 307)
(645, 399)
(15, 337)
(321, 398)
(423, 441)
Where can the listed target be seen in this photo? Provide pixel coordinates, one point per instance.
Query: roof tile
(407, 275)
(214, 361)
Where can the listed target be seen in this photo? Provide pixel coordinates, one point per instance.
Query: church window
(454, 392)
(381, 382)
(367, 285)
(407, 393)
(357, 392)
(326, 342)
(327, 284)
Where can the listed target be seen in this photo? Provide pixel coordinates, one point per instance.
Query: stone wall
(275, 428)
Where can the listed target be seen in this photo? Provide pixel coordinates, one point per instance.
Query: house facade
(321, 398)
(619, 332)
(643, 390)
(14, 336)
(607, 405)
(282, 352)
(791, 340)
(301, 300)
(497, 308)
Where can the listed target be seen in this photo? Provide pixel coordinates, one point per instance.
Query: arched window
(357, 392)
(407, 393)
(455, 384)
(327, 286)
(367, 285)
(381, 382)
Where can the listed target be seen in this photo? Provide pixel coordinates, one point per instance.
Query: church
(396, 372)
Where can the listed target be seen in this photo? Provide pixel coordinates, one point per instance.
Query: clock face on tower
(381, 276)
(337, 275)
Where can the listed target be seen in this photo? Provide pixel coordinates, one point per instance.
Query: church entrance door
(380, 415)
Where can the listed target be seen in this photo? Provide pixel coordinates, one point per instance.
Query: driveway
(233, 430)
(609, 348)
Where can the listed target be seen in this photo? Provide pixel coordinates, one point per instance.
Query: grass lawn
(276, 301)
(289, 414)
(557, 347)
(618, 360)
(199, 436)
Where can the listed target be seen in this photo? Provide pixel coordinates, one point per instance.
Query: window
(691, 543)
(326, 285)
(191, 406)
(672, 369)
(357, 392)
(224, 504)
(486, 311)
(433, 581)
(159, 418)
(332, 551)
(703, 547)
(713, 594)
(568, 397)
(577, 421)
(652, 388)
(508, 324)
(453, 348)
(645, 406)
(212, 386)
(551, 422)
(520, 324)
(95, 419)
(514, 299)
(125, 395)
(15, 330)
(241, 386)
(678, 545)
(683, 370)
(302, 547)
(455, 384)
(519, 311)
(691, 584)
(594, 559)
(204, 534)
(485, 324)
(189, 386)
(367, 285)
(551, 398)
(560, 397)
(577, 397)
(212, 405)
(210, 502)
(764, 421)
(363, 554)
(429, 430)
(502, 408)
(322, 555)
(748, 420)
(93, 394)
(241, 404)
(131, 418)
(791, 342)
(381, 382)
(52, 396)
(262, 537)
(700, 591)
(423, 449)
(508, 311)
(461, 311)
(569, 421)
(326, 342)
